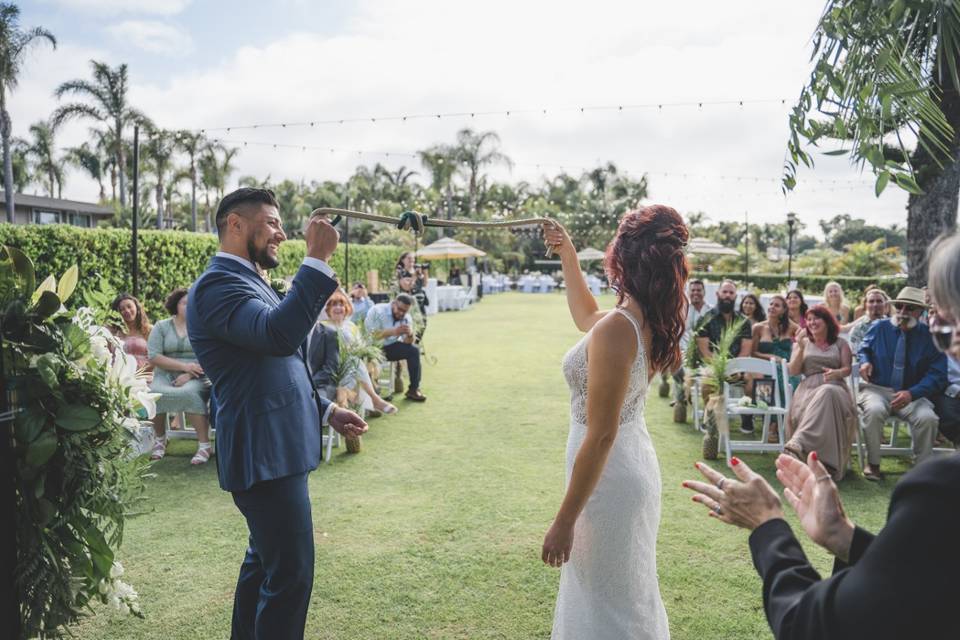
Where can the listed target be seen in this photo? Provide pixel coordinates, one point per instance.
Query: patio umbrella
(707, 247)
(447, 249)
(588, 254)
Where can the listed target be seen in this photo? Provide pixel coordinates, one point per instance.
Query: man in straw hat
(900, 371)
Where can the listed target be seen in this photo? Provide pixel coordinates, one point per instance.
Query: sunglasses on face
(899, 306)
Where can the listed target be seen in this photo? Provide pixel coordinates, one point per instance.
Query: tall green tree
(41, 152)
(476, 151)
(886, 73)
(14, 43)
(441, 162)
(106, 101)
(160, 150)
(87, 158)
(192, 143)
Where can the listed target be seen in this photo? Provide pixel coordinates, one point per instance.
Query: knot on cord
(413, 221)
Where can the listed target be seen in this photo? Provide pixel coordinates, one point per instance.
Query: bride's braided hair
(646, 261)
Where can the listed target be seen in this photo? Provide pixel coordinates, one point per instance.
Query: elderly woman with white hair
(895, 584)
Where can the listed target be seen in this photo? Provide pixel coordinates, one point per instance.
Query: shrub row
(853, 286)
(168, 259)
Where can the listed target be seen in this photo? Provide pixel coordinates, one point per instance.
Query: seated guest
(391, 322)
(178, 378)
(797, 307)
(834, 300)
(877, 308)
(751, 310)
(861, 307)
(900, 371)
(722, 316)
(889, 585)
(323, 354)
(361, 302)
(135, 330)
(947, 403)
(696, 309)
(772, 339)
(823, 416)
(339, 310)
(407, 283)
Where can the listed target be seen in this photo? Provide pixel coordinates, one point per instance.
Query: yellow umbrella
(447, 249)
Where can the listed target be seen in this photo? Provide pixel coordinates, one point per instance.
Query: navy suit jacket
(250, 345)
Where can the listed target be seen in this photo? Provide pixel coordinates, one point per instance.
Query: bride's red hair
(646, 261)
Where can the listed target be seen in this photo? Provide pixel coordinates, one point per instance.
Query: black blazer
(323, 354)
(901, 583)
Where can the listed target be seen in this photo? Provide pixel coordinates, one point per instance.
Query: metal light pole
(791, 221)
(135, 271)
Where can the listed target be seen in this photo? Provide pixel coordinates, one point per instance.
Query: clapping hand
(811, 492)
(748, 502)
(347, 423)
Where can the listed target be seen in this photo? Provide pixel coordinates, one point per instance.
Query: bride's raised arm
(583, 306)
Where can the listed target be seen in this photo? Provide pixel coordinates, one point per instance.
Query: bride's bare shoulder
(615, 332)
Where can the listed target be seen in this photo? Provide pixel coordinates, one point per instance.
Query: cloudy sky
(213, 64)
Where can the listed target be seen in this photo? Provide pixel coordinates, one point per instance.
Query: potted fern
(354, 354)
(713, 375)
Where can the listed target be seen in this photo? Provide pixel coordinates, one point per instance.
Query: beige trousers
(874, 401)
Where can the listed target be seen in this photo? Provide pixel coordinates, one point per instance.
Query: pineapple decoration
(713, 375)
(664, 388)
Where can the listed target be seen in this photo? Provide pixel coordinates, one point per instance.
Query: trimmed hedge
(853, 286)
(168, 259)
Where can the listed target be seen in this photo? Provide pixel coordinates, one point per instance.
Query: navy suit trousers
(276, 578)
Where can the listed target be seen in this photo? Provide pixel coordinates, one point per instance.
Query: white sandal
(159, 449)
(202, 456)
(389, 409)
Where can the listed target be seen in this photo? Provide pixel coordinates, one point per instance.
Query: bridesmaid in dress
(773, 338)
(822, 414)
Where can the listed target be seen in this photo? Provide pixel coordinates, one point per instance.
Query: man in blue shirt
(392, 323)
(361, 302)
(901, 371)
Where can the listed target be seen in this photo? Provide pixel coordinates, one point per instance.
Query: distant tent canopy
(707, 247)
(448, 249)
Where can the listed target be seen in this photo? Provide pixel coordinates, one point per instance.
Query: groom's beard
(725, 306)
(261, 257)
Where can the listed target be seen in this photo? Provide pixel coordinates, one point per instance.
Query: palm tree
(20, 165)
(214, 173)
(14, 42)
(160, 149)
(192, 144)
(885, 74)
(88, 158)
(441, 161)
(475, 151)
(107, 103)
(41, 152)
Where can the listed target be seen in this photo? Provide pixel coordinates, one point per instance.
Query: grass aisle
(434, 530)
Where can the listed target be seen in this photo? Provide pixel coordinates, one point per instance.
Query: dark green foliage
(168, 259)
(853, 285)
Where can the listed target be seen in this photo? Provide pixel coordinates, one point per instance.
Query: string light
(543, 165)
(507, 112)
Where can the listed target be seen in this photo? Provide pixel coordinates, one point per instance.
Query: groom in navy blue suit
(251, 346)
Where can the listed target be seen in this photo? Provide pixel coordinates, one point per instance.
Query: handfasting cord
(417, 222)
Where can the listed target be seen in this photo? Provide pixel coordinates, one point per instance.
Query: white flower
(103, 587)
(116, 570)
(113, 601)
(744, 401)
(124, 609)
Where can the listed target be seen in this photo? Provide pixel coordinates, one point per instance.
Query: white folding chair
(186, 431)
(778, 409)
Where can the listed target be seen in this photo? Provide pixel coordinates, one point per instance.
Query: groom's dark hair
(243, 201)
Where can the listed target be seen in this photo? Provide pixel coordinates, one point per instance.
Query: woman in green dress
(178, 378)
(773, 338)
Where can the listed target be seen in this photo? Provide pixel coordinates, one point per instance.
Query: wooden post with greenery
(714, 374)
(10, 611)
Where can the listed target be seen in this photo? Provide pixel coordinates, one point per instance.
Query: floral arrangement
(74, 397)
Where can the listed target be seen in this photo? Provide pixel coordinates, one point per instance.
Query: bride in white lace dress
(605, 533)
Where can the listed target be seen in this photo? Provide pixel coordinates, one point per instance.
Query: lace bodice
(575, 372)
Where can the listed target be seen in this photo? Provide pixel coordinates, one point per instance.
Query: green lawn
(434, 530)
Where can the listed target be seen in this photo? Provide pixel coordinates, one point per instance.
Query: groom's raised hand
(347, 423)
(321, 237)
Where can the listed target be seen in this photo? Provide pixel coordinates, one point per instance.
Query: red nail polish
(696, 465)
(814, 455)
(734, 461)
